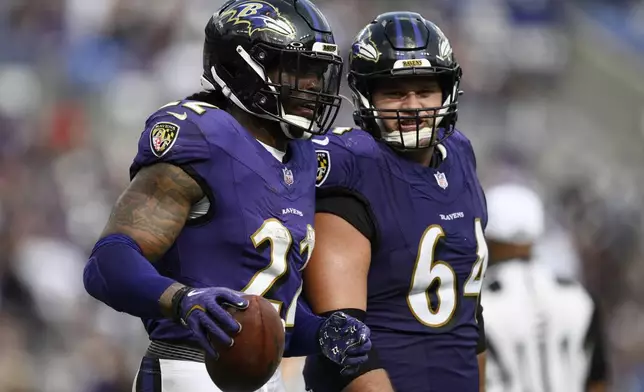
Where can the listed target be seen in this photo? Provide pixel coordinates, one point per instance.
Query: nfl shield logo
(441, 179)
(288, 176)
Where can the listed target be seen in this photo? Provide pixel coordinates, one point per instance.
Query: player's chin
(306, 113)
(424, 143)
(301, 108)
(403, 126)
(409, 139)
(412, 145)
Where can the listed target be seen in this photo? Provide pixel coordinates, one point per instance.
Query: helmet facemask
(433, 124)
(295, 86)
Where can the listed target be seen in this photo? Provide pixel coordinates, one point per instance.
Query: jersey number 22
(281, 241)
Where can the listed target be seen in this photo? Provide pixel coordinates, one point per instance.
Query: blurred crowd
(78, 78)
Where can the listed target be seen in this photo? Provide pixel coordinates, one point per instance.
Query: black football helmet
(397, 44)
(247, 40)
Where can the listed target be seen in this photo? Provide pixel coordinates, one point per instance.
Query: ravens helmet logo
(258, 16)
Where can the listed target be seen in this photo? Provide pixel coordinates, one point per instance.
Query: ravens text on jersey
(400, 217)
(221, 199)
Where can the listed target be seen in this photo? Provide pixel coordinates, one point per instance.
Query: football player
(400, 218)
(221, 201)
(544, 332)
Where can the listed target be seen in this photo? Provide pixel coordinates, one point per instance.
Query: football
(256, 353)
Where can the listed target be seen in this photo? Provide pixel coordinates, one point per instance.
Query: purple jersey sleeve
(338, 156)
(169, 139)
(467, 151)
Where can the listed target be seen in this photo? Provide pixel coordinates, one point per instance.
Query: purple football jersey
(254, 230)
(429, 258)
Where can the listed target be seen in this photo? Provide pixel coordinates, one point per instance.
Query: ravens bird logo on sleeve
(162, 137)
(324, 165)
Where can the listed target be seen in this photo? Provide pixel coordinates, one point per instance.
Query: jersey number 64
(428, 270)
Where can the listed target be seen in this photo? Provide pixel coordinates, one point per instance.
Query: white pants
(165, 375)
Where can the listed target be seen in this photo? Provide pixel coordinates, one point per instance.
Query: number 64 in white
(427, 271)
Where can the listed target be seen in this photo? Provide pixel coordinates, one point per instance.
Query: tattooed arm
(152, 211)
(154, 208)
(150, 214)
(144, 224)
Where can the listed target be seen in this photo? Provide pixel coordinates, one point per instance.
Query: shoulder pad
(461, 145)
(355, 140)
(460, 140)
(336, 155)
(183, 110)
(175, 134)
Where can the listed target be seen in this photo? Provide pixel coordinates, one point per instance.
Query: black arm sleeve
(350, 206)
(598, 368)
(481, 345)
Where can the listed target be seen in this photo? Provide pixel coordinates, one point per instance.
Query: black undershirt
(350, 206)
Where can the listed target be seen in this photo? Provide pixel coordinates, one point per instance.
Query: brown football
(257, 351)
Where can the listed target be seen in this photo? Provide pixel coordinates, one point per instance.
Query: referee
(543, 331)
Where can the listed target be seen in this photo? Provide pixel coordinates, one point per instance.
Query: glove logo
(194, 292)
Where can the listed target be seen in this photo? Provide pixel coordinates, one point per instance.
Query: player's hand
(345, 341)
(203, 312)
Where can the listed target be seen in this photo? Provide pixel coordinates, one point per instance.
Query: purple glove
(202, 311)
(345, 341)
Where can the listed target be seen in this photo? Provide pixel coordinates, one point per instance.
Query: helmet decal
(258, 16)
(365, 48)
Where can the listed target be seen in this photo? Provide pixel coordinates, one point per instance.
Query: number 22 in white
(280, 239)
(427, 271)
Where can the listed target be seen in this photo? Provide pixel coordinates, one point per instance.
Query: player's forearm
(481, 360)
(304, 336)
(119, 275)
(336, 276)
(165, 301)
(144, 224)
(373, 381)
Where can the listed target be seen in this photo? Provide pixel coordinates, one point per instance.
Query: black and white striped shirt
(543, 332)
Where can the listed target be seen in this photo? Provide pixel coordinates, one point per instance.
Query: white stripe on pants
(189, 376)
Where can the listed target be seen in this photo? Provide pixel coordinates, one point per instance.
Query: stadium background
(554, 98)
